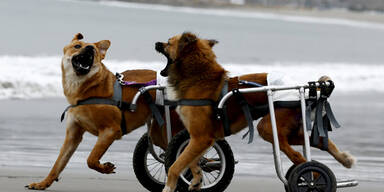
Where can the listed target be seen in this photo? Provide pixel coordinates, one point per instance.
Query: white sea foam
(247, 14)
(39, 77)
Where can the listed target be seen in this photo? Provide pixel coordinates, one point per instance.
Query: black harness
(116, 100)
(321, 125)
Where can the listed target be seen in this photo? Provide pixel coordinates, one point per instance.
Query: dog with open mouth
(84, 76)
(193, 73)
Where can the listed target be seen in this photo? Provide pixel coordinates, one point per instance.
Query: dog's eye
(77, 46)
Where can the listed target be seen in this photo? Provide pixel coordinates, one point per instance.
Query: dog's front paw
(37, 186)
(108, 168)
(167, 189)
(196, 184)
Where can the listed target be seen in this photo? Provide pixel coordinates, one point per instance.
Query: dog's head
(180, 45)
(84, 57)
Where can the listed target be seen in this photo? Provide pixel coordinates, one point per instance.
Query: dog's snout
(159, 46)
(164, 72)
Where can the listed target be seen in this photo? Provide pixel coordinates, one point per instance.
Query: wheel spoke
(214, 155)
(214, 177)
(303, 188)
(320, 180)
(156, 172)
(210, 149)
(321, 187)
(160, 173)
(153, 168)
(156, 162)
(307, 177)
(205, 177)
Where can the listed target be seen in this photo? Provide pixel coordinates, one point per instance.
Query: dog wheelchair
(311, 175)
(308, 176)
(151, 162)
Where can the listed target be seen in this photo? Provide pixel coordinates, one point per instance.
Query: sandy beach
(32, 135)
(85, 180)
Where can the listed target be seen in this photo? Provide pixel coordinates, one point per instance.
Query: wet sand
(84, 180)
(31, 136)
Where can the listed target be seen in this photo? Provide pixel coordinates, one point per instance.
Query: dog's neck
(97, 83)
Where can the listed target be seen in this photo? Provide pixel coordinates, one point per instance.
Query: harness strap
(223, 114)
(327, 127)
(312, 91)
(65, 110)
(118, 96)
(308, 111)
(319, 118)
(155, 111)
(91, 101)
(322, 124)
(330, 115)
(117, 91)
(245, 107)
(247, 113)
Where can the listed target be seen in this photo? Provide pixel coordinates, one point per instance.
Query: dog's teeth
(81, 66)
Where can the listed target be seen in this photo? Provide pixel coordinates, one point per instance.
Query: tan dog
(195, 74)
(84, 76)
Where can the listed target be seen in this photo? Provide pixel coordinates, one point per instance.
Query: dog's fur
(94, 80)
(195, 74)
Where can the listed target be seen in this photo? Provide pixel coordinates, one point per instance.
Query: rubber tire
(139, 166)
(316, 166)
(170, 158)
(288, 174)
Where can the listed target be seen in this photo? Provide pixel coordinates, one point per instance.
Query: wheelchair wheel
(217, 164)
(148, 170)
(288, 174)
(313, 177)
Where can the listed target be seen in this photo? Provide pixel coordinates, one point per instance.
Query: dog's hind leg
(194, 149)
(346, 159)
(343, 157)
(104, 140)
(74, 135)
(286, 122)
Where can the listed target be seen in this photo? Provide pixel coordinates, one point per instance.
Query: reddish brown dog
(84, 76)
(194, 74)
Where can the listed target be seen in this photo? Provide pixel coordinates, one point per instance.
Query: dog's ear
(103, 47)
(77, 37)
(212, 42)
(186, 40)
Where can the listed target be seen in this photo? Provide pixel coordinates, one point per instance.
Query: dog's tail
(324, 78)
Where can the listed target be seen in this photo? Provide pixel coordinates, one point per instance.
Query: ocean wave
(40, 76)
(247, 14)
